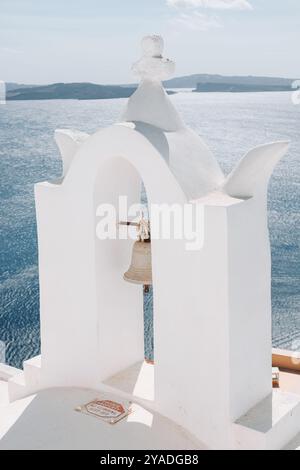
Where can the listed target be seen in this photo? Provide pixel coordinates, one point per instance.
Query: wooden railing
(286, 359)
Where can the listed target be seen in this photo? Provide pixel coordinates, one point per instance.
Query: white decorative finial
(150, 104)
(153, 46)
(152, 65)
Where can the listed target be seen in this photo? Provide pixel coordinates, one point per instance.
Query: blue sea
(230, 123)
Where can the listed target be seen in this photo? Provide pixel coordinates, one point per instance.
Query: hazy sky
(44, 41)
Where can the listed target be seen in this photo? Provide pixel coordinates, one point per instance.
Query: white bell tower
(212, 306)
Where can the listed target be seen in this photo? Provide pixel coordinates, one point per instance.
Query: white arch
(123, 141)
(67, 212)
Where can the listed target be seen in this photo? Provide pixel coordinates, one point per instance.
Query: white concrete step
(271, 424)
(6, 371)
(3, 393)
(32, 373)
(16, 387)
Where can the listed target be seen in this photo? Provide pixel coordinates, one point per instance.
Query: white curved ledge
(253, 172)
(68, 142)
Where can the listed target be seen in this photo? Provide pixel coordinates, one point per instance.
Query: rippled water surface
(230, 123)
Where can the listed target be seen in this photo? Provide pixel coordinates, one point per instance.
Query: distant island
(15, 86)
(198, 83)
(238, 88)
(192, 81)
(72, 91)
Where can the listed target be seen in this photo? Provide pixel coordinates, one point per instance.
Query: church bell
(140, 270)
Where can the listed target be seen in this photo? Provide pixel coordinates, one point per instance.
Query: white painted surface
(3, 393)
(294, 444)
(136, 381)
(270, 411)
(17, 387)
(271, 424)
(6, 371)
(253, 172)
(48, 420)
(68, 142)
(32, 373)
(150, 103)
(155, 117)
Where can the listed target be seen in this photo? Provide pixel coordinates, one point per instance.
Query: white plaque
(108, 410)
